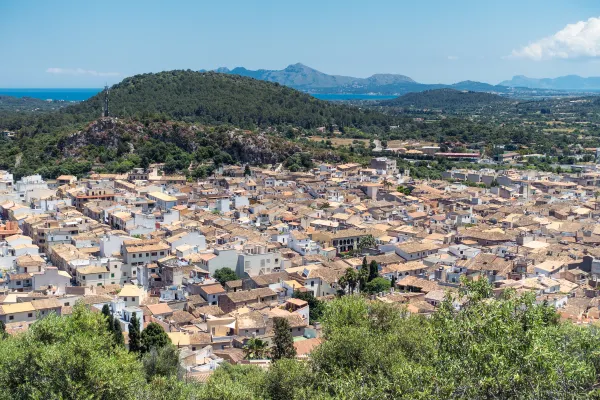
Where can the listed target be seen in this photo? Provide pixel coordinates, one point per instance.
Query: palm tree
(351, 278)
(387, 184)
(365, 242)
(343, 283)
(363, 277)
(255, 349)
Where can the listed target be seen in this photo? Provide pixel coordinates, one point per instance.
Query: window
(84, 277)
(99, 276)
(18, 283)
(67, 304)
(147, 254)
(154, 254)
(11, 317)
(29, 315)
(112, 275)
(312, 283)
(133, 256)
(162, 253)
(133, 299)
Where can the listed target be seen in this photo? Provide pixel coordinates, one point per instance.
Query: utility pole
(105, 106)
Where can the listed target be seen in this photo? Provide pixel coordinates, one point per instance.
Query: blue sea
(84, 94)
(52, 94)
(339, 97)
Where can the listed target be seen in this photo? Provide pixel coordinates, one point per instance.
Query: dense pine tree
(118, 333)
(134, 335)
(283, 340)
(373, 270)
(107, 314)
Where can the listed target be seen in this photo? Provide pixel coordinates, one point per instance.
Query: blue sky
(87, 43)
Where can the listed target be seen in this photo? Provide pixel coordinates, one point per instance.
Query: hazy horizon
(70, 44)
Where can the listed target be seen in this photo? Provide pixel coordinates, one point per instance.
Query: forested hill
(445, 99)
(214, 98)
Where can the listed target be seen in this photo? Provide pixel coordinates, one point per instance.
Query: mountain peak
(389, 79)
(298, 67)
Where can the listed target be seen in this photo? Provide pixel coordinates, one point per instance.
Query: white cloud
(79, 71)
(578, 40)
(452, 58)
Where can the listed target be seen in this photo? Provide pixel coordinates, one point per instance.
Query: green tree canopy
(378, 285)
(255, 349)
(69, 357)
(153, 337)
(225, 275)
(506, 348)
(162, 362)
(366, 242)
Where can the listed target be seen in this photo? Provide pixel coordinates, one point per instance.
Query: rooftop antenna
(105, 106)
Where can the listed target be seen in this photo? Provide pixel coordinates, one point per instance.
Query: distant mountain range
(304, 78)
(568, 82)
(301, 77)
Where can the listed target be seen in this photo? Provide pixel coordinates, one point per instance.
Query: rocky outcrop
(255, 147)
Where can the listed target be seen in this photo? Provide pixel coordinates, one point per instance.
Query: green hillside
(214, 98)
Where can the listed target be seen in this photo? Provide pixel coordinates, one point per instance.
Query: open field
(559, 130)
(339, 141)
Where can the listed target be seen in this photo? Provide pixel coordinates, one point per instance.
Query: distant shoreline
(70, 94)
(65, 94)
